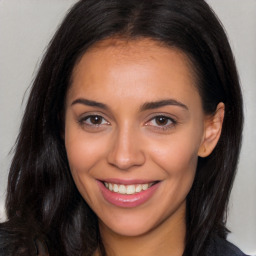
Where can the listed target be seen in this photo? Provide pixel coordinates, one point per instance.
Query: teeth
(130, 189)
(122, 189)
(145, 186)
(115, 188)
(138, 188)
(127, 189)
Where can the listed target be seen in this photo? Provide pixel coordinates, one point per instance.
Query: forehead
(119, 65)
(135, 50)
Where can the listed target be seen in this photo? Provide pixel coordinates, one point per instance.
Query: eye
(161, 122)
(93, 120)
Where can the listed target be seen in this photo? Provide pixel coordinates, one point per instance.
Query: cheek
(178, 161)
(176, 156)
(83, 151)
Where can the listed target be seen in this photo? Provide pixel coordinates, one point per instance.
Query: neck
(168, 238)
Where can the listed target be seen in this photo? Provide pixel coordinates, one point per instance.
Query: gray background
(26, 27)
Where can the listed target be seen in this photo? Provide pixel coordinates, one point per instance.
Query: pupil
(96, 119)
(161, 120)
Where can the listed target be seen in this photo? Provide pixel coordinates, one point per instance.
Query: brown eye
(93, 120)
(162, 120)
(96, 120)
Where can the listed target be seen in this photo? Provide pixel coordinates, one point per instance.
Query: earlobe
(212, 131)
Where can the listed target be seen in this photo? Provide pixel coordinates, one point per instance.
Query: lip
(127, 201)
(127, 181)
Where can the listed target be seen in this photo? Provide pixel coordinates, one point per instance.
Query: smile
(121, 194)
(127, 189)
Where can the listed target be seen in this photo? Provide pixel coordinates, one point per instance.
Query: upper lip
(127, 181)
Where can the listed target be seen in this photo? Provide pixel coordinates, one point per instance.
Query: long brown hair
(42, 199)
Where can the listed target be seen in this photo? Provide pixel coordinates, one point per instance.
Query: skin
(129, 141)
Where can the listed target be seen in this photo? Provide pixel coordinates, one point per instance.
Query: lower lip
(127, 201)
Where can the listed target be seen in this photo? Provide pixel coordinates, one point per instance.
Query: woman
(131, 136)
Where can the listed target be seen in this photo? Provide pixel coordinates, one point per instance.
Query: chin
(131, 230)
(129, 225)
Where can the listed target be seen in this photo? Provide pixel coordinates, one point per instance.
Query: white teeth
(145, 186)
(138, 188)
(127, 189)
(115, 188)
(122, 189)
(130, 189)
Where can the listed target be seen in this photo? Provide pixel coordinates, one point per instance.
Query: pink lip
(127, 201)
(127, 181)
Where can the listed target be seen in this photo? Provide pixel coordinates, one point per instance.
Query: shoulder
(221, 247)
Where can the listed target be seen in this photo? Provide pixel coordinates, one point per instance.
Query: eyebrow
(144, 107)
(91, 103)
(162, 103)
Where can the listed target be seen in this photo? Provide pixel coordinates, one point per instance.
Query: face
(134, 124)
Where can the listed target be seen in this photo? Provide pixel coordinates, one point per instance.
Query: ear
(212, 131)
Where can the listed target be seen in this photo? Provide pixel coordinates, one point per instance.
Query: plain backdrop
(26, 27)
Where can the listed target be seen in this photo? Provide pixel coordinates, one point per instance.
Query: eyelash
(170, 122)
(83, 121)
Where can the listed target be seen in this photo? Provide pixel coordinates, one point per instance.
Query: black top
(216, 247)
(221, 247)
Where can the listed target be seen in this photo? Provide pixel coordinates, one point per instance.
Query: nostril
(125, 152)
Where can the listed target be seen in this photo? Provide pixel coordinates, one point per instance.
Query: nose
(126, 150)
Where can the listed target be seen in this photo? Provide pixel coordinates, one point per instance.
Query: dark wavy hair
(42, 200)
